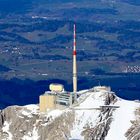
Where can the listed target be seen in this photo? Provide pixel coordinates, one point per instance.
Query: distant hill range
(36, 37)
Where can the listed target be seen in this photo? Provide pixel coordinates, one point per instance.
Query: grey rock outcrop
(2, 117)
(21, 125)
(133, 132)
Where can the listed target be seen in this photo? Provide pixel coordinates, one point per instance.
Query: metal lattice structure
(65, 99)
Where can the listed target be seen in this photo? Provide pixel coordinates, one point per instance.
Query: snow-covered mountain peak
(98, 115)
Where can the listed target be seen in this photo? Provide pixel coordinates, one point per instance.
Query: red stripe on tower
(74, 52)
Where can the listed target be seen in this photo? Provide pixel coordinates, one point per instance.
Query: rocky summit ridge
(97, 115)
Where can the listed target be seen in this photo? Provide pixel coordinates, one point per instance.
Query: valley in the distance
(36, 40)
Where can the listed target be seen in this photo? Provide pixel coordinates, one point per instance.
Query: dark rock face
(59, 129)
(134, 131)
(1, 119)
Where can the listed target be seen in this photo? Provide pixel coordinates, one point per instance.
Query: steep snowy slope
(97, 115)
(122, 119)
(114, 120)
(87, 113)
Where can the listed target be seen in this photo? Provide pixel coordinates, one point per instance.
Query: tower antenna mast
(74, 63)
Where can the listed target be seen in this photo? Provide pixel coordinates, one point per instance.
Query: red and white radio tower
(74, 63)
